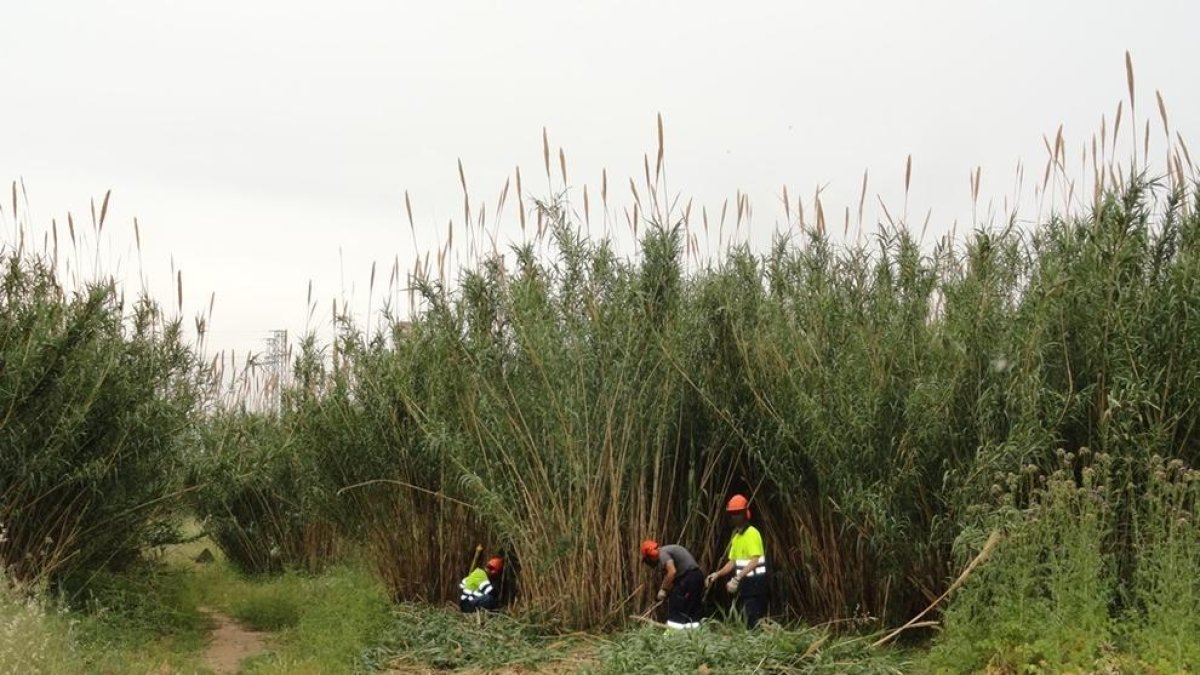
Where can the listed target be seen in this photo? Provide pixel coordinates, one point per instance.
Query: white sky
(263, 144)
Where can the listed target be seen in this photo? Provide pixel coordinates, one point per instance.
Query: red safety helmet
(650, 550)
(494, 565)
(738, 504)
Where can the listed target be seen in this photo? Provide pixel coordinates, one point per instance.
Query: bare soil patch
(229, 644)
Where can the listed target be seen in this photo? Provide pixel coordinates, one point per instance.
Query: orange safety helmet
(650, 550)
(494, 565)
(737, 504)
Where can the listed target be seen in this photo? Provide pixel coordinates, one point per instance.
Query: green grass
(33, 639)
(342, 613)
(269, 609)
(143, 618)
(341, 621)
(153, 618)
(319, 623)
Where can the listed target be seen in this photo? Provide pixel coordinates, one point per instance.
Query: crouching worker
(682, 584)
(476, 591)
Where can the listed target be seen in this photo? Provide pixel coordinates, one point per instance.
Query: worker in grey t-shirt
(682, 585)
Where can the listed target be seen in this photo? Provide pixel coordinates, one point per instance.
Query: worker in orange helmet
(747, 560)
(476, 590)
(682, 585)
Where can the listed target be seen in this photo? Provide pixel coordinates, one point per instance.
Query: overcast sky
(266, 144)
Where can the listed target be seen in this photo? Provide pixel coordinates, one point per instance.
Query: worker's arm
(750, 567)
(725, 569)
(669, 579)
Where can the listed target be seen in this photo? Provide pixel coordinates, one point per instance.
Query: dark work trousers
(752, 599)
(683, 600)
(469, 605)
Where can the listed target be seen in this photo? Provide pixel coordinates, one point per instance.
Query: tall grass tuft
(252, 490)
(96, 401)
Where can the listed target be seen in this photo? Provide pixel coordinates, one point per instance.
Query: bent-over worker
(682, 585)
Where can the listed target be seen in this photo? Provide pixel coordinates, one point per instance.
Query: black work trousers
(470, 604)
(684, 599)
(752, 599)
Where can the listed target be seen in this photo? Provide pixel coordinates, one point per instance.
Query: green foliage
(723, 648)
(142, 619)
(342, 613)
(1042, 599)
(318, 623)
(96, 399)
(33, 638)
(267, 610)
(436, 638)
(562, 403)
(251, 487)
(1094, 560)
(1051, 599)
(1163, 621)
(148, 602)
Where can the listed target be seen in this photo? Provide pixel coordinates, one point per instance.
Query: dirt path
(230, 643)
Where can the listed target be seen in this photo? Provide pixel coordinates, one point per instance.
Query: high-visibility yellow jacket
(745, 545)
(476, 585)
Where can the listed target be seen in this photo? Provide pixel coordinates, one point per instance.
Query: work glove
(710, 580)
(662, 594)
(732, 586)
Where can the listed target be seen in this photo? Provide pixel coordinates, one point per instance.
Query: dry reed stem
(992, 541)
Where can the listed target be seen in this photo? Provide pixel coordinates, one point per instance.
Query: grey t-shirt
(682, 559)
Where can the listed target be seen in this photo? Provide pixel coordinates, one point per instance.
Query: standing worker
(476, 591)
(746, 558)
(682, 584)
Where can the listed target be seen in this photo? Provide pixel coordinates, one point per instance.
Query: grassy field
(158, 618)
